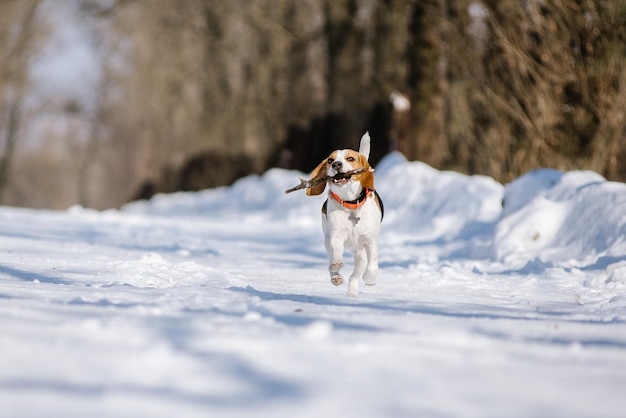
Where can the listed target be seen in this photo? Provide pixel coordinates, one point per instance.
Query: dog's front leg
(335, 255)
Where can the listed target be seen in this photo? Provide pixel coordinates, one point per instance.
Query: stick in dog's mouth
(337, 179)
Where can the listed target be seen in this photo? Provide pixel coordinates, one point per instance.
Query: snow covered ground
(218, 303)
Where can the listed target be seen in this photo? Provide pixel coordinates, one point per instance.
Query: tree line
(195, 94)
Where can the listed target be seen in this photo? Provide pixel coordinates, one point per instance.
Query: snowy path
(190, 307)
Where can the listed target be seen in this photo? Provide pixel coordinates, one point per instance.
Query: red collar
(353, 204)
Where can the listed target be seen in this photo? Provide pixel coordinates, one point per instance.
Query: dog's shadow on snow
(299, 318)
(397, 306)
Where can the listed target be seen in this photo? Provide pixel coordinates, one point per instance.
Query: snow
(218, 303)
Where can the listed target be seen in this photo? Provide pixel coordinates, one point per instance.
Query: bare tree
(199, 92)
(555, 84)
(18, 39)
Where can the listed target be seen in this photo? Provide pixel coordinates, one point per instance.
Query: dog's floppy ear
(367, 178)
(319, 172)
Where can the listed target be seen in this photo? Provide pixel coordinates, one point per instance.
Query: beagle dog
(351, 215)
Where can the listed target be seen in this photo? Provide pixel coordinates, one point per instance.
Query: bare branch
(307, 184)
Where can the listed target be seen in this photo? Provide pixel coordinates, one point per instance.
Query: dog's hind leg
(360, 264)
(372, 265)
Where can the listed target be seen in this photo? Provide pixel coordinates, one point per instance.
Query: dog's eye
(351, 159)
(330, 161)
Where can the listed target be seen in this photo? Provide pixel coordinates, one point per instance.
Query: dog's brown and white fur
(351, 215)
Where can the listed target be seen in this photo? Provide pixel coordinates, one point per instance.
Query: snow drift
(571, 219)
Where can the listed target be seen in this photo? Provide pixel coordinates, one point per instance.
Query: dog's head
(342, 161)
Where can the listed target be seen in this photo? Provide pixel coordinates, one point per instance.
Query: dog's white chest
(355, 226)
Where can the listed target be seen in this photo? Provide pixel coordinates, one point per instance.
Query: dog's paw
(336, 266)
(353, 293)
(337, 280)
(369, 280)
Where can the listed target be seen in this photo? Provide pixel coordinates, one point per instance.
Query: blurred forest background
(105, 101)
